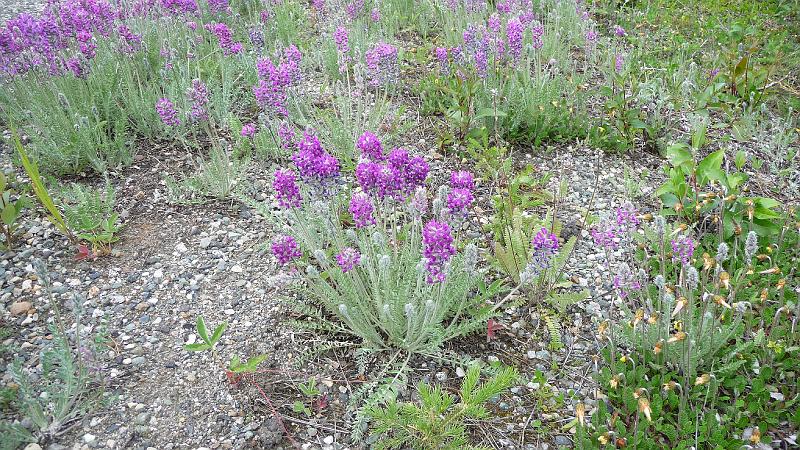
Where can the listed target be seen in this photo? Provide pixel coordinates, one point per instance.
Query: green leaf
(741, 66)
(679, 154)
(489, 112)
(199, 347)
(710, 167)
(201, 330)
(32, 170)
(218, 332)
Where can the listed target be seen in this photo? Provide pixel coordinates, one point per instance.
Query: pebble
(19, 308)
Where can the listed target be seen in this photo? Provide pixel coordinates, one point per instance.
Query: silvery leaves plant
(385, 299)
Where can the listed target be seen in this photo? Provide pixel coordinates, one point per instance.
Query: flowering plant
(373, 256)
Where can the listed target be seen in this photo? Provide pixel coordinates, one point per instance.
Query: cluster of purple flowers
(274, 81)
(438, 248)
(610, 231)
(361, 208)
(354, 9)
(544, 247)
(131, 42)
(225, 38)
(62, 39)
(444, 61)
(348, 259)
(625, 281)
(683, 249)
(179, 7)
(515, 33)
(370, 147)
(249, 130)
(313, 162)
(256, 38)
(460, 197)
(486, 46)
(166, 110)
(218, 6)
(341, 40)
(395, 176)
(382, 64)
(375, 15)
(286, 190)
(198, 99)
(286, 136)
(285, 248)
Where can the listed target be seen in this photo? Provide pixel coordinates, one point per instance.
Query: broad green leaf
(679, 154)
(710, 167)
(489, 112)
(218, 332)
(201, 329)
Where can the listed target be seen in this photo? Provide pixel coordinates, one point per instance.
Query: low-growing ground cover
(399, 224)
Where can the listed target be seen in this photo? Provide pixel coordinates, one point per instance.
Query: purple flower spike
(167, 112)
(459, 200)
(367, 174)
(619, 31)
(545, 241)
(370, 147)
(198, 97)
(515, 32)
(285, 249)
(286, 190)
(249, 130)
(462, 179)
(438, 248)
(382, 64)
(348, 259)
(683, 249)
(361, 208)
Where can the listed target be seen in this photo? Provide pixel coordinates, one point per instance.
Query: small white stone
(181, 248)
(89, 438)
(237, 269)
(328, 440)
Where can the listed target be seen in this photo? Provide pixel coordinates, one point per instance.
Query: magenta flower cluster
(285, 248)
(249, 130)
(395, 176)
(60, 40)
(218, 6)
(198, 101)
(274, 81)
(354, 9)
(460, 197)
(610, 231)
(286, 190)
(438, 249)
(225, 38)
(361, 208)
(130, 41)
(166, 110)
(382, 64)
(312, 161)
(544, 247)
(370, 147)
(683, 249)
(348, 259)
